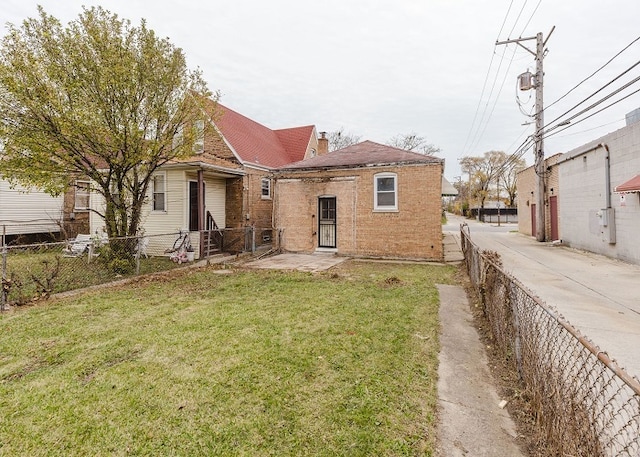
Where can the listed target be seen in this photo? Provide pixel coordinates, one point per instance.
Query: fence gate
(327, 222)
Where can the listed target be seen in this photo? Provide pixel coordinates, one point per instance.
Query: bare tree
(510, 169)
(340, 139)
(413, 142)
(482, 172)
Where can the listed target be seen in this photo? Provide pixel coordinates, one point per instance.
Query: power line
(591, 129)
(504, 80)
(593, 74)
(518, 18)
(593, 114)
(593, 105)
(484, 85)
(531, 17)
(482, 125)
(595, 93)
(504, 21)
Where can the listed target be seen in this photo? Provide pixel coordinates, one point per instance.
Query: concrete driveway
(302, 262)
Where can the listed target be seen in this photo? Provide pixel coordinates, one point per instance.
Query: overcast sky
(382, 68)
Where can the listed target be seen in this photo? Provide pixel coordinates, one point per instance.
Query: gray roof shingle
(365, 154)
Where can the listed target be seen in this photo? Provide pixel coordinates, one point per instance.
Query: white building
(28, 211)
(600, 194)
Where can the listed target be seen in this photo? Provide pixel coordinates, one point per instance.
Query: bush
(118, 256)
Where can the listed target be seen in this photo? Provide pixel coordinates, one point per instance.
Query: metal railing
(31, 272)
(584, 403)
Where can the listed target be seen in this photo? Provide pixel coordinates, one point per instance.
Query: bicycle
(181, 246)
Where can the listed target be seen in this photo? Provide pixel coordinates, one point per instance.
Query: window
(198, 136)
(178, 138)
(266, 188)
(386, 192)
(159, 193)
(83, 191)
(151, 130)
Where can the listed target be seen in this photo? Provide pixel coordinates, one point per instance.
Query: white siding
(25, 211)
(176, 215)
(215, 199)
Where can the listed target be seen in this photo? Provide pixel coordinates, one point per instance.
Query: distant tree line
(340, 138)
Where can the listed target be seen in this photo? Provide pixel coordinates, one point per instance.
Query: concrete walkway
(470, 420)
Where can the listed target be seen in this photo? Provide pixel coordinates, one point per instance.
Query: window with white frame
(198, 136)
(385, 192)
(159, 192)
(178, 138)
(266, 188)
(83, 191)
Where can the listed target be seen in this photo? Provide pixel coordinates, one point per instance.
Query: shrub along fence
(31, 272)
(584, 403)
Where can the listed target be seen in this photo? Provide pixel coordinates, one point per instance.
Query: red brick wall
(414, 231)
(527, 184)
(244, 202)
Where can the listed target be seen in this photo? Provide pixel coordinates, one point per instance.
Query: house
(599, 199)
(28, 213)
(527, 197)
(231, 168)
(367, 200)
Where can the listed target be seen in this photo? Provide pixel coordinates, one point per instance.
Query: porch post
(201, 212)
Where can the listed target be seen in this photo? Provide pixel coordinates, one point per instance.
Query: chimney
(323, 144)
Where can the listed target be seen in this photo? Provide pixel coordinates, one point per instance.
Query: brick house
(527, 185)
(226, 183)
(366, 200)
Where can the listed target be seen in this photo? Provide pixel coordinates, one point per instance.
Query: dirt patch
(392, 281)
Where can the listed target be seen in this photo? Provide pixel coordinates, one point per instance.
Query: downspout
(607, 178)
(610, 216)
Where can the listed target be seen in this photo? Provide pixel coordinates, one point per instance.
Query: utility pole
(538, 134)
(498, 189)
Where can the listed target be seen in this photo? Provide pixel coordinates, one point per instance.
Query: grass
(248, 363)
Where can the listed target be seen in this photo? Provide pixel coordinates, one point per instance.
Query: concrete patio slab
(301, 262)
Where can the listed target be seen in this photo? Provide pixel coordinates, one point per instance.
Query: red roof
(363, 154)
(633, 185)
(295, 141)
(259, 145)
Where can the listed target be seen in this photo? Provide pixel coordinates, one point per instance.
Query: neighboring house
(76, 208)
(599, 201)
(231, 167)
(447, 188)
(28, 212)
(367, 199)
(527, 197)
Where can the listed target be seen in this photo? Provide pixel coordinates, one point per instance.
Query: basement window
(385, 192)
(266, 188)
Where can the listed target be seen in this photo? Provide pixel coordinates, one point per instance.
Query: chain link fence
(31, 272)
(584, 403)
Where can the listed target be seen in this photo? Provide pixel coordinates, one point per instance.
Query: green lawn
(248, 363)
